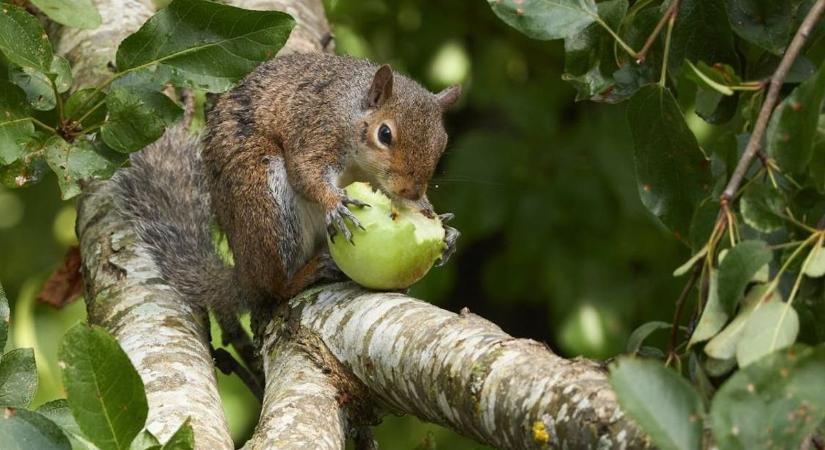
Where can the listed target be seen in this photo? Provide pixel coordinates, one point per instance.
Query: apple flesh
(397, 247)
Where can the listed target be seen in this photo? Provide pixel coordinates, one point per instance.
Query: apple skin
(397, 247)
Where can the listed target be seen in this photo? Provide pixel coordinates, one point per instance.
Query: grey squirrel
(277, 151)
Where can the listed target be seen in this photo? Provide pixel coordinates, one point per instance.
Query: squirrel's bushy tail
(165, 195)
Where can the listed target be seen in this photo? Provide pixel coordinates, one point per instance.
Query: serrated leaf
(183, 439)
(15, 125)
(761, 208)
(208, 44)
(766, 23)
(723, 345)
(4, 319)
(815, 267)
(132, 123)
(546, 19)
(702, 33)
(23, 40)
(771, 327)
(674, 423)
(104, 390)
(713, 317)
(62, 72)
(18, 378)
(26, 430)
(77, 162)
(588, 55)
(38, 87)
(672, 173)
(638, 336)
(72, 13)
(772, 404)
(738, 269)
(793, 126)
(58, 411)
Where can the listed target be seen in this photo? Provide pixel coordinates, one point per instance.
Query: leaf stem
(43, 125)
(616, 37)
(90, 111)
(671, 21)
(59, 101)
(680, 304)
(670, 13)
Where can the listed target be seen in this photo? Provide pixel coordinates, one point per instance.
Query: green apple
(397, 247)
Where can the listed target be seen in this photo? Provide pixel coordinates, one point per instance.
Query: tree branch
(778, 78)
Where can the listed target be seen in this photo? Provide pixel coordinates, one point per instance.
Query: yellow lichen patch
(540, 434)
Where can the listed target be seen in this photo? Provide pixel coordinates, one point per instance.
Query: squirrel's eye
(384, 135)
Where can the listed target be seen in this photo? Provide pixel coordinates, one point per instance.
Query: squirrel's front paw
(336, 216)
(450, 237)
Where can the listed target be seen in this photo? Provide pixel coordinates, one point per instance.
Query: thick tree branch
(463, 372)
(166, 339)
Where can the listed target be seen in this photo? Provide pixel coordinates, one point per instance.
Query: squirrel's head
(402, 135)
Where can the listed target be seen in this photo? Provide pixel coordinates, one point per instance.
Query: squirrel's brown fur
(277, 150)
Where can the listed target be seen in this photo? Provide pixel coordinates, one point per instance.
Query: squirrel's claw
(446, 217)
(351, 201)
(336, 223)
(450, 237)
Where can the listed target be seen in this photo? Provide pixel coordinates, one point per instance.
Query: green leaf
(38, 87)
(133, 122)
(815, 267)
(104, 390)
(144, 441)
(672, 173)
(4, 319)
(15, 125)
(634, 342)
(702, 33)
(62, 72)
(30, 168)
(773, 403)
(26, 430)
(766, 23)
(589, 58)
(18, 378)
(183, 439)
(793, 126)
(58, 411)
(72, 13)
(688, 265)
(78, 162)
(772, 326)
(715, 100)
(207, 45)
(817, 166)
(546, 19)
(738, 269)
(761, 207)
(81, 102)
(674, 421)
(723, 345)
(717, 78)
(23, 40)
(702, 223)
(713, 316)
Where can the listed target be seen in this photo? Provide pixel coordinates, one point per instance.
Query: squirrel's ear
(381, 88)
(448, 97)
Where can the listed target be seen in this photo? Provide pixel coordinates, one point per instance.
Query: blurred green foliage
(556, 245)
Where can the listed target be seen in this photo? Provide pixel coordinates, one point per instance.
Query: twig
(777, 80)
(671, 12)
(680, 304)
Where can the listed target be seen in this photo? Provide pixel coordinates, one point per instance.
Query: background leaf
(26, 430)
(546, 19)
(72, 13)
(18, 378)
(15, 124)
(23, 40)
(772, 326)
(773, 403)
(637, 338)
(674, 419)
(793, 126)
(672, 173)
(207, 45)
(702, 33)
(766, 23)
(105, 391)
(738, 268)
(58, 411)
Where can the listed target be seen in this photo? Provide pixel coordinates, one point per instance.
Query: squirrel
(277, 150)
